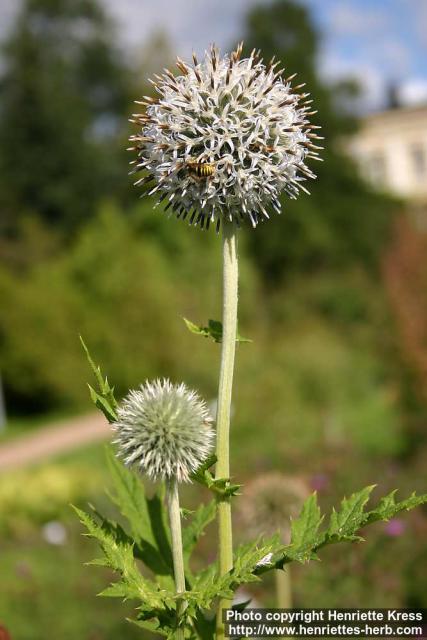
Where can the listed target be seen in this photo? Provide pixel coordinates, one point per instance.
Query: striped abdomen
(200, 170)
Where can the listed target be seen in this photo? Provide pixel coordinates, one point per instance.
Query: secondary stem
(229, 329)
(178, 559)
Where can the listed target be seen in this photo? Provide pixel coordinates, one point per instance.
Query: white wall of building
(391, 151)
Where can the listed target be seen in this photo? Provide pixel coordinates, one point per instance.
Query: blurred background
(333, 389)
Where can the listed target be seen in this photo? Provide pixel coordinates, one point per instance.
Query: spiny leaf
(213, 330)
(103, 397)
(304, 529)
(221, 487)
(102, 404)
(205, 626)
(344, 525)
(119, 557)
(130, 497)
(150, 625)
(353, 517)
(143, 516)
(160, 529)
(192, 532)
(209, 584)
(200, 474)
(388, 507)
(164, 623)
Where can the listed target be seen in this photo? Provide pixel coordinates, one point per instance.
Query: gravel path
(52, 440)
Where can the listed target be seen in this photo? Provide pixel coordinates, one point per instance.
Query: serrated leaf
(160, 530)
(304, 530)
(119, 557)
(213, 330)
(344, 523)
(200, 474)
(149, 625)
(192, 532)
(130, 497)
(118, 590)
(102, 404)
(205, 626)
(222, 487)
(142, 515)
(388, 507)
(103, 398)
(209, 584)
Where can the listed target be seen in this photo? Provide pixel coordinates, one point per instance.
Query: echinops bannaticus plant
(164, 430)
(219, 143)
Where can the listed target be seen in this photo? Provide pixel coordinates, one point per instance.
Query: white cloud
(191, 24)
(368, 76)
(347, 19)
(414, 91)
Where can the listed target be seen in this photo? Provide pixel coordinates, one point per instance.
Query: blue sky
(376, 41)
(379, 41)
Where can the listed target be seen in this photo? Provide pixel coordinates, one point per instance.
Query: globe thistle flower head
(270, 502)
(224, 139)
(164, 430)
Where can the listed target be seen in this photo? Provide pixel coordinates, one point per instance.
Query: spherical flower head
(164, 430)
(270, 502)
(224, 139)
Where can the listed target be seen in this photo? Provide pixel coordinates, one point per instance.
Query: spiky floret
(238, 116)
(164, 430)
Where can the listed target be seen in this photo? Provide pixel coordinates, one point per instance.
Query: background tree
(63, 96)
(345, 220)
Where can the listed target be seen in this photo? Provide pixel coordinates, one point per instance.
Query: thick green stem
(178, 558)
(229, 328)
(283, 588)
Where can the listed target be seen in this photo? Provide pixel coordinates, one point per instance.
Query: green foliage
(103, 398)
(344, 525)
(63, 91)
(204, 514)
(129, 319)
(48, 491)
(213, 330)
(118, 555)
(221, 487)
(304, 529)
(144, 515)
(247, 558)
(148, 541)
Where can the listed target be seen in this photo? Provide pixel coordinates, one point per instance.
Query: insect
(200, 170)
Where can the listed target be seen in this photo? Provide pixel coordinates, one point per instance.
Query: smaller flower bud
(164, 430)
(271, 501)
